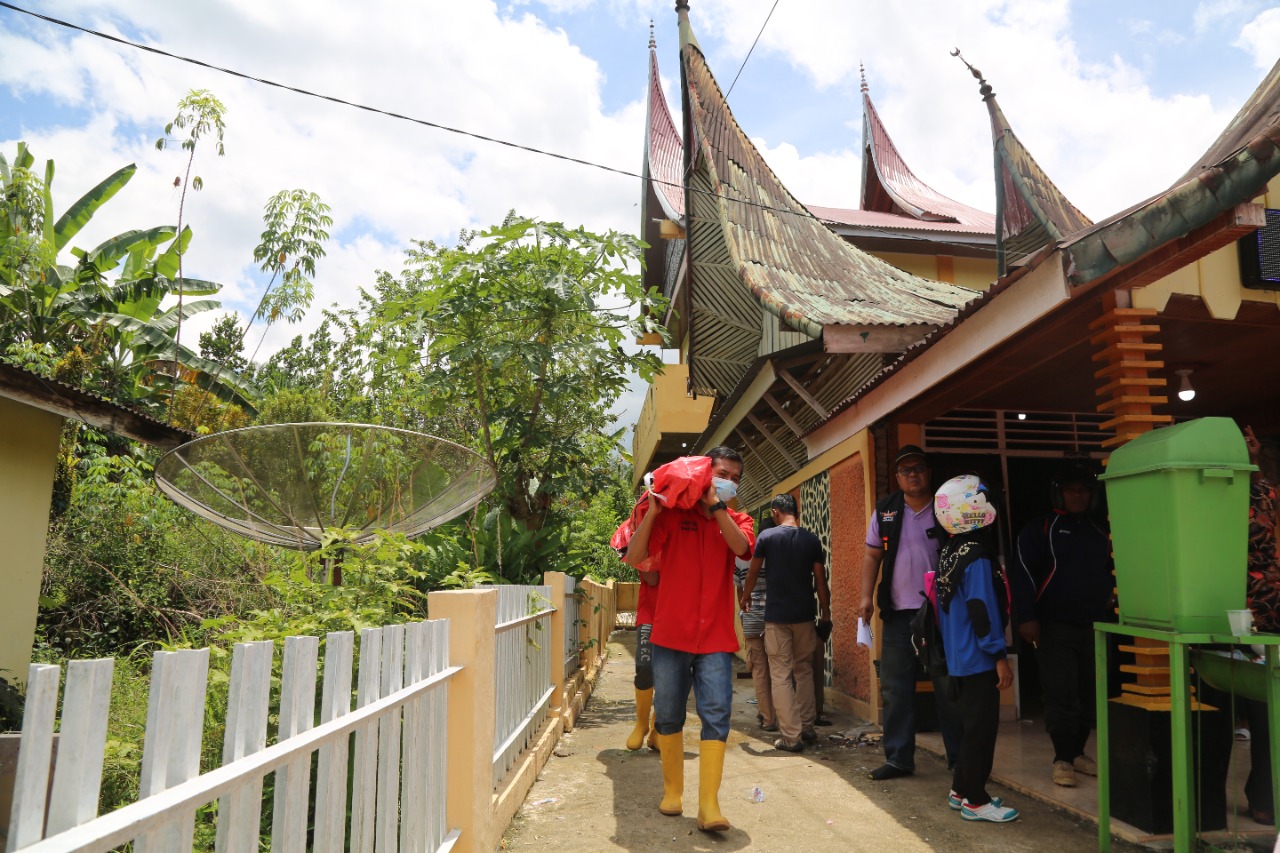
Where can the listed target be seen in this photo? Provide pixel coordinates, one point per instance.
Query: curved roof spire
(889, 185)
(664, 150)
(1031, 212)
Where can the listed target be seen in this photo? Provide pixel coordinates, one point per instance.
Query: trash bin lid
(1202, 443)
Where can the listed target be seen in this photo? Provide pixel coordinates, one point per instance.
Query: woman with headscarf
(972, 607)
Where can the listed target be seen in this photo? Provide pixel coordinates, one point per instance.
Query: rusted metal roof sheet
(1031, 212)
(894, 221)
(665, 151)
(890, 187)
(796, 267)
(1249, 148)
(88, 407)
(1247, 157)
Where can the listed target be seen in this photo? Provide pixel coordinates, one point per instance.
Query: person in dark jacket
(1062, 583)
(903, 538)
(968, 590)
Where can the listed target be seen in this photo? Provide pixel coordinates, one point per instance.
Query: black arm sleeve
(978, 617)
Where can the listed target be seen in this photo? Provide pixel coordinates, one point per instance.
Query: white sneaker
(989, 812)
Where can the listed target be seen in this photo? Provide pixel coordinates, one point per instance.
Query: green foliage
(10, 707)
(293, 241)
(125, 567)
(47, 308)
(519, 329)
(199, 115)
(224, 344)
(596, 517)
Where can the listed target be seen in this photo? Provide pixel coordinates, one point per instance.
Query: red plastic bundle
(679, 484)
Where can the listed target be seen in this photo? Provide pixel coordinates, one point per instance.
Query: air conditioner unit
(1260, 255)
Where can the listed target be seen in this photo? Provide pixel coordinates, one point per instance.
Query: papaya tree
(519, 329)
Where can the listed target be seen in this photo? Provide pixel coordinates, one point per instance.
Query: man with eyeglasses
(903, 540)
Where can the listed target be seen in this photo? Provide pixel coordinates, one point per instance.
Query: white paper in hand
(864, 633)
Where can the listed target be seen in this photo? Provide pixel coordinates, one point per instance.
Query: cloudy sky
(1115, 99)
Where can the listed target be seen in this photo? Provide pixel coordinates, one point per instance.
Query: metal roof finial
(863, 72)
(653, 44)
(984, 88)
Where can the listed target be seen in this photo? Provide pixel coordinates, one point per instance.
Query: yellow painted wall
(668, 408)
(975, 273)
(28, 458)
(1214, 278)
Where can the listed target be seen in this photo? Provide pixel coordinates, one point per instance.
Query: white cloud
(465, 65)
(1214, 13)
(1261, 38)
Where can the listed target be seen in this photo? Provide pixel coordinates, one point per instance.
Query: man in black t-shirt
(796, 568)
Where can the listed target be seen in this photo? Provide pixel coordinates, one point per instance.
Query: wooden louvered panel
(775, 338)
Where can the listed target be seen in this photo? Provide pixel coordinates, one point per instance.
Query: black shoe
(888, 771)
(808, 737)
(772, 727)
(822, 721)
(759, 719)
(788, 747)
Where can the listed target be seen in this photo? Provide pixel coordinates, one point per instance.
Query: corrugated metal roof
(1031, 212)
(93, 409)
(797, 267)
(1249, 152)
(888, 183)
(665, 150)
(894, 221)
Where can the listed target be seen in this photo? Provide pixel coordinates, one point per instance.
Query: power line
(437, 126)
(753, 47)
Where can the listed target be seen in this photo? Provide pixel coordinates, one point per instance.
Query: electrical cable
(753, 47)
(437, 126)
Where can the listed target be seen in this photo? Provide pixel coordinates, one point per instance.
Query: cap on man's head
(906, 451)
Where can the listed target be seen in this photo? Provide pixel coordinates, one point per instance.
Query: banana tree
(41, 300)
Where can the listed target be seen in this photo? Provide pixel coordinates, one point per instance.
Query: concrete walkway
(594, 795)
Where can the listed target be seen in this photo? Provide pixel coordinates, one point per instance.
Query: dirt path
(594, 795)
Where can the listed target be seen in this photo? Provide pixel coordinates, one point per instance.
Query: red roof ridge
(889, 185)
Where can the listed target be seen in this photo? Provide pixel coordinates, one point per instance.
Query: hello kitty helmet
(962, 505)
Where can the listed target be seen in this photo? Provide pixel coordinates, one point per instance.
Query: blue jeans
(710, 676)
(898, 689)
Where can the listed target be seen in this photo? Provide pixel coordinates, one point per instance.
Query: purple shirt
(917, 554)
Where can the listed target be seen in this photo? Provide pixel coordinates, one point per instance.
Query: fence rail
(522, 671)
(400, 744)
(445, 710)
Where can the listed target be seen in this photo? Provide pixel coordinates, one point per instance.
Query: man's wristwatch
(718, 505)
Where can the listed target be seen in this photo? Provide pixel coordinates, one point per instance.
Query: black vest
(889, 509)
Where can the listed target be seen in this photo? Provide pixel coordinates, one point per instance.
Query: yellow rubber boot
(644, 702)
(710, 769)
(653, 734)
(671, 748)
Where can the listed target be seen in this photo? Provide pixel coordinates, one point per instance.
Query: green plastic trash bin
(1179, 504)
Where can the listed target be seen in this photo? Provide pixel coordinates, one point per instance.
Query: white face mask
(726, 490)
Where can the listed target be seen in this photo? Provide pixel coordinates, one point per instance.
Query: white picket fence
(522, 671)
(572, 649)
(397, 761)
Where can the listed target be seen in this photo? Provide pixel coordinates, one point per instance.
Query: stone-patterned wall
(815, 515)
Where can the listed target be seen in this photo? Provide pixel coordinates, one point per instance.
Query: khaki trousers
(759, 663)
(790, 648)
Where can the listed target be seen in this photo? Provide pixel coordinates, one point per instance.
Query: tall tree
(199, 115)
(521, 328)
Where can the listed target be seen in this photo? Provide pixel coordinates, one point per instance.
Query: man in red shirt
(693, 636)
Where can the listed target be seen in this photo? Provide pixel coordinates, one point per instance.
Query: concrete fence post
(556, 580)
(472, 616)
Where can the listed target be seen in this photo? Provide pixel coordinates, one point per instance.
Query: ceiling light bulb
(1185, 392)
(1022, 416)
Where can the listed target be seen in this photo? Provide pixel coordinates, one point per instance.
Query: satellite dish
(286, 484)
